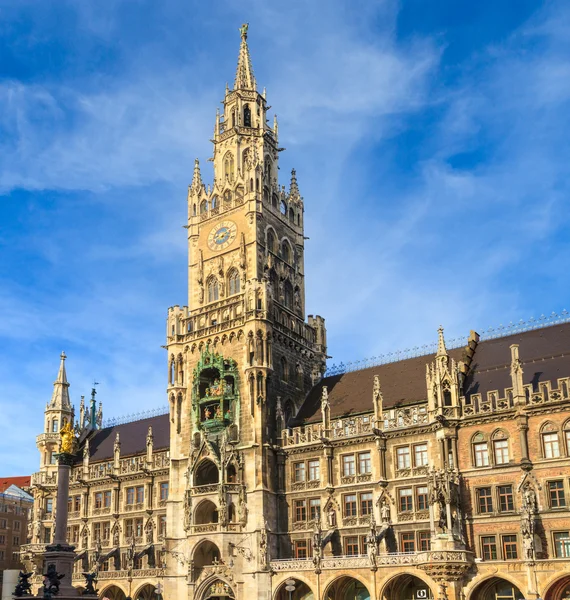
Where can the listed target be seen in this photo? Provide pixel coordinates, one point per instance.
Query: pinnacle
(294, 187)
(197, 177)
(245, 79)
(441, 349)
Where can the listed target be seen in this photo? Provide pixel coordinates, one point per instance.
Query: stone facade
(439, 476)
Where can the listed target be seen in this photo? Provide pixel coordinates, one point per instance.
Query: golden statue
(67, 439)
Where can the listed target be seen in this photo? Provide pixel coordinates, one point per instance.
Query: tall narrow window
(420, 455)
(350, 505)
(203, 207)
(556, 494)
(489, 547)
(229, 166)
(422, 498)
(286, 251)
(246, 116)
(213, 289)
(501, 452)
(284, 369)
(406, 502)
(271, 241)
(54, 425)
(403, 457)
(481, 454)
(408, 542)
(348, 465)
(484, 500)
(506, 502)
(364, 463)
(233, 282)
(288, 294)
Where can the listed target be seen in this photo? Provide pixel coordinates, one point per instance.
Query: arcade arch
(346, 588)
(113, 592)
(146, 592)
(559, 590)
(405, 586)
(206, 553)
(302, 591)
(496, 588)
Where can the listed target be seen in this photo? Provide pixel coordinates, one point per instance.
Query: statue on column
(317, 546)
(187, 510)
(263, 546)
(372, 543)
(528, 516)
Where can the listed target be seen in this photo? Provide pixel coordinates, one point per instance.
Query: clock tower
(241, 356)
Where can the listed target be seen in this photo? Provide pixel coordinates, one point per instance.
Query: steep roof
(545, 354)
(132, 437)
(21, 482)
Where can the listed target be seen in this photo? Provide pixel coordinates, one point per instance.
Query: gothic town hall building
(440, 476)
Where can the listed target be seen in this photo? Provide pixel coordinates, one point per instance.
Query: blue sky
(431, 146)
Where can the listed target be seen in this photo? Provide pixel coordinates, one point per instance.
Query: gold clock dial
(222, 235)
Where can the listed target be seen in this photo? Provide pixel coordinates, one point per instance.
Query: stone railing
(303, 435)
(405, 417)
(100, 470)
(292, 564)
(349, 562)
(446, 556)
(351, 426)
(43, 478)
(134, 464)
(47, 437)
(205, 489)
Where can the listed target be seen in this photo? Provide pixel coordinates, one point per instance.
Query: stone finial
(294, 187)
(275, 128)
(325, 409)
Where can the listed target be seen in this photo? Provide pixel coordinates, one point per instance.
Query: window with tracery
(286, 252)
(246, 116)
(213, 289)
(229, 166)
(288, 295)
(271, 241)
(233, 282)
(203, 207)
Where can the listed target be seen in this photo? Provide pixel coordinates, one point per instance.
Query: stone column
(60, 553)
(63, 472)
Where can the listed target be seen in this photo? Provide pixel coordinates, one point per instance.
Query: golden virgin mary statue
(67, 439)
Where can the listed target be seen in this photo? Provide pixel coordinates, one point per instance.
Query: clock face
(222, 235)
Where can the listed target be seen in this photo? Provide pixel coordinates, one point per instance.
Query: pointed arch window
(286, 251)
(246, 116)
(267, 170)
(233, 282)
(288, 411)
(291, 215)
(284, 369)
(194, 210)
(271, 241)
(288, 295)
(54, 426)
(214, 203)
(203, 207)
(283, 207)
(213, 289)
(229, 166)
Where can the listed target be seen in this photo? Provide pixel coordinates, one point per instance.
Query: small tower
(58, 412)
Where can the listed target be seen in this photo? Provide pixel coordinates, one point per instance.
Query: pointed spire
(275, 128)
(244, 73)
(60, 396)
(197, 177)
(441, 349)
(293, 187)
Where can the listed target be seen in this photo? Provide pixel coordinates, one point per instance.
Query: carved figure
(331, 517)
(187, 510)
(385, 511)
(317, 545)
(263, 550)
(528, 546)
(149, 531)
(242, 507)
(67, 436)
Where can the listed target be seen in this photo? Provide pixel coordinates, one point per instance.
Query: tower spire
(244, 73)
(60, 395)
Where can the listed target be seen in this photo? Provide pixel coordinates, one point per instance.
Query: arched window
(283, 207)
(213, 289)
(246, 116)
(500, 447)
(214, 203)
(227, 199)
(288, 295)
(207, 473)
(194, 210)
(274, 201)
(233, 117)
(229, 166)
(271, 241)
(54, 426)
(447, 399)
(284, 369)
(203, 207)
(267, 170)
(550, 440)
(480, 450)
(265, 194)
(286, 251)
(233, 282)
(291, 215)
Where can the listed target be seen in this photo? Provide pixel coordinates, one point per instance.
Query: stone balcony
(424, 560)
